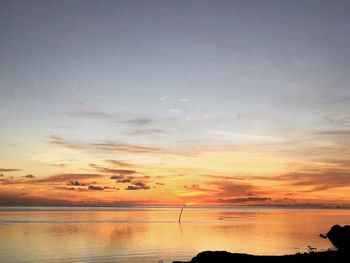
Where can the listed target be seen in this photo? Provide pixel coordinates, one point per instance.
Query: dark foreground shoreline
(227, 257)
(337, 235)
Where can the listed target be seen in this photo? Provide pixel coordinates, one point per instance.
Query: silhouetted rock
(340, 236)
(226, 257)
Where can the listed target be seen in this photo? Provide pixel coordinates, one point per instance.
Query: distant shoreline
(335, 207)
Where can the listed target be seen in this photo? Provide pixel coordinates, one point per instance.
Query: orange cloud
(111, 170)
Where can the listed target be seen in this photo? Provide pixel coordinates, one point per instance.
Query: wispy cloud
(5, 170)
(229, 189)
(223, 189)
(319, 180)
(75, 183)
(105, 146)
(59, 165)
(60, 142)
(245, 200)
(340, 132)
(120, 163)
(139, 121)
(90, 114)
(111, 146)
(124, 180)
(138, 186)
(128, 119)
(197, 187)
(95, 188)
(66, 177)
(112, 170)
(315, 179)
(149, 131)
(242, 135)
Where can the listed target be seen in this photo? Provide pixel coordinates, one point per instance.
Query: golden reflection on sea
(150, 235)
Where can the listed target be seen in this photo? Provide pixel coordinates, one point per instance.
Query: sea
(153, 234)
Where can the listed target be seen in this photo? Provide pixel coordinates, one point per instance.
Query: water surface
(152, 234)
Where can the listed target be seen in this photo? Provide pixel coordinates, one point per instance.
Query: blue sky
(274, 63)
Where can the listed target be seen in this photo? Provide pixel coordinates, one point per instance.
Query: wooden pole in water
(182, 208)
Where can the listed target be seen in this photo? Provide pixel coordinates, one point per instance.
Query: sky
(175, 102)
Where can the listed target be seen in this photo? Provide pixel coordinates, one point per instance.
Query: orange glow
(248, 176)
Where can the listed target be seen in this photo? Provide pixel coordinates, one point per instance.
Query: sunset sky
(175, 102)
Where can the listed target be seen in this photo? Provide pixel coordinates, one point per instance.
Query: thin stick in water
(182, 208)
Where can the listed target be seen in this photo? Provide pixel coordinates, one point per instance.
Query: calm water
(152, 234)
